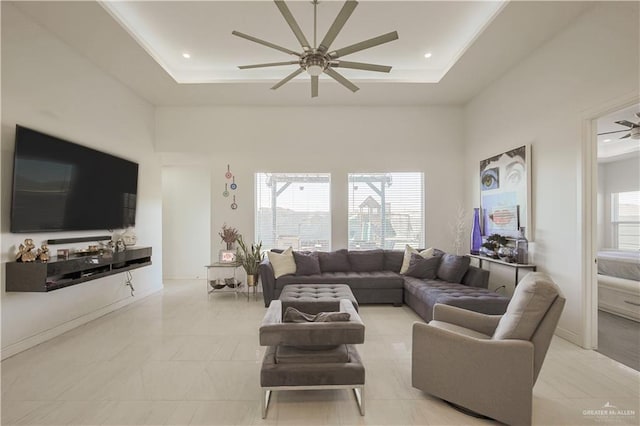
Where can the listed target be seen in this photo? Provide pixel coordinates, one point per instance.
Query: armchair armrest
(482, 323)
(268, 280)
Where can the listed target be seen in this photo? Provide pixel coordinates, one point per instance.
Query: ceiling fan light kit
(318, 59)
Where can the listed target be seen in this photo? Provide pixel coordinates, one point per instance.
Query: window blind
(625, 218)
(293, 210)
(386, 210)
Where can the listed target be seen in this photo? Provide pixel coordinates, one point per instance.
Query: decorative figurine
(120, 246)
(43, 253)
(24, 251)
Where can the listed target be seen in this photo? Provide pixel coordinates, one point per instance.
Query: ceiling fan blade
(337, 25)
(372, 42)
(314, 86)
(286, 14)
(628, 135)
(616, 131)
(264, 43)
(287, 78)
(361, 66)
(340, 79)
(626, 123)
(272, 64)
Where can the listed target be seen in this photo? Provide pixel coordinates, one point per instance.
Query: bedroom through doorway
(618, 235)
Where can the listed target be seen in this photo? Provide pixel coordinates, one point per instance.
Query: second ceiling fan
(318, 59)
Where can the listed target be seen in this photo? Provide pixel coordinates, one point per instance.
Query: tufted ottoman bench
(316, 298)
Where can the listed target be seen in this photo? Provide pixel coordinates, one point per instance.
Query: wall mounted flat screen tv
(62, 186)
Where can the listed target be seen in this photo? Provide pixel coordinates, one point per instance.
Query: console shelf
(59, 273)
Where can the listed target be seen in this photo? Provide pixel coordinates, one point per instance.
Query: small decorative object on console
(476, 233)
(129, 237)
(493, 243)
(43, 253)
(120, 246)
(63, 253)
(24, 251)
(522, 248)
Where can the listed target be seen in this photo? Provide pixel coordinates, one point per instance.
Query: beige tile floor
(181, 357)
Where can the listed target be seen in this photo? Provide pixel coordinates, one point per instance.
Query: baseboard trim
(570, 336)
(43, 336)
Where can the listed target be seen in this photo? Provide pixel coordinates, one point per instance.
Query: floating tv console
(59, 273)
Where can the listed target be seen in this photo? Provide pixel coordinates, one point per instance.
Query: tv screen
(62, 186)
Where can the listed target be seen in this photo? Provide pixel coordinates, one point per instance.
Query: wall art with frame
(505, 192)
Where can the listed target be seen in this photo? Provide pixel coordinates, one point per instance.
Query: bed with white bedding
(619, 282)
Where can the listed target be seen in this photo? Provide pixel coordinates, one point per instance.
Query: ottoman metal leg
(266, 398)
(359, 394)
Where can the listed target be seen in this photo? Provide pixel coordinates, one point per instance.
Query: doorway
(617, 236)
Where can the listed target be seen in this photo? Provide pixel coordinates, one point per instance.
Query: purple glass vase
(476, 235)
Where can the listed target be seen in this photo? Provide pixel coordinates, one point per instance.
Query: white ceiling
(167, 30)
(611, 147)
(518, 29)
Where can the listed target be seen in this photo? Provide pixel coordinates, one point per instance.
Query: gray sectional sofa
(374, 277)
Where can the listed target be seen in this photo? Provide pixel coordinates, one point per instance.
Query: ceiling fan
(633, 128)
(318, 59)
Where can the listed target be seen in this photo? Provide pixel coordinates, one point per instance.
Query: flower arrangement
(249, 258)
(229, 235)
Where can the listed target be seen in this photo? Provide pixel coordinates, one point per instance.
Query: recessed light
(186, 55)
(427, 55)
(607, 140)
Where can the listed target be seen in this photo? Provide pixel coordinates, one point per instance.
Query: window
(386, 210)
(293, 210)
(625, 218)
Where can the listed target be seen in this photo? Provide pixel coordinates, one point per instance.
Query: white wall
(617, 176)
(186, 221)
(542, 102)
(337, 140)
(47, 86)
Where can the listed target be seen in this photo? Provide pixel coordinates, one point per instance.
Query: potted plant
(493, 243)
(250, 259)
(229, 235)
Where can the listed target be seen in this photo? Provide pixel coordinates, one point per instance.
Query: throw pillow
(282, 263)
(452, 268)
(531, 300)
(306, 263)
(408, 250)
(291, 314)
(423, 268)
(393, 260)
(334, 261)
(366, 260)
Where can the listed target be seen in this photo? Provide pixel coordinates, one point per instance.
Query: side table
(516, 266)
(216, 275)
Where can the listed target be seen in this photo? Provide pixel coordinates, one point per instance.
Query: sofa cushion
(282, 263)
(334, 261)
(355, 280)
(530, 302)
(452, 268)
(366, 260)
(408, 251)
(302, 355)
(430, 292)
(393, 260)
(423, 268)
(306, 263)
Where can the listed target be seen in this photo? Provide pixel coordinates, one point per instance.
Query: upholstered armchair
(489, 363)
